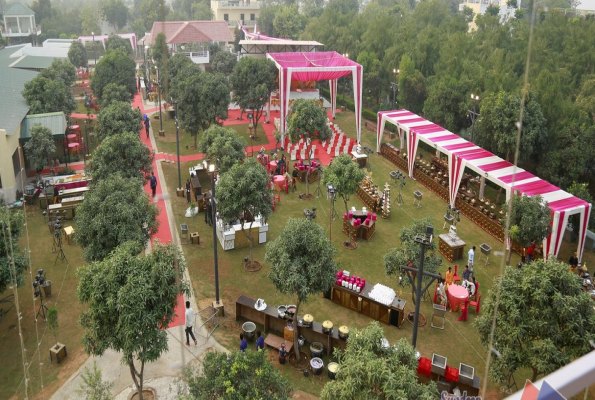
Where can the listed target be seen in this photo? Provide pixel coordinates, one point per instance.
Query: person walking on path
(147, 126)
(153, 183)
(189, 323)
(188, 190)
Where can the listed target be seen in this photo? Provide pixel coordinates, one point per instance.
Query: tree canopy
(117, 118)
(114, 212)
(11, 224)
(302, 262)
(44, 95)
(60, 69)
(115, 13)
(545, 320)
(131, 299)
(224, 62)
(364, 375)
(243, 191)
(77, 54)
(114, 67)
(115, 42)
(237, 375)
(41, 147)
(124, 154)
(114, 92)
(159, 51)
(529, 221)
(224, 146)
(345, 175)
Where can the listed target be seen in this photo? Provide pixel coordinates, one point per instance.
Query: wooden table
(451, 247)
(362, 303)
(75, 192)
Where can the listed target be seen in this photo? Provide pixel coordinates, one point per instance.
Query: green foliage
(237, 376)
(11, 224)
(45, 95)
(124, 154)
(179, 68)
(412, 86)
(77, 54)
(159, 51)
(93, 387)
(532, 217)
(581, 190)
(42, 10)
(345, 175)
(447, 102)
(545, 320)
(114, 92)
(224, 62)
(114, 67)
(114, 212)
(302, 262)
(223, 145)
(52, 321)
(60, 69)
(410, 251)
(498, 126)
(252, 81)
(115, 42)
(244, 190)
(65, 171)
(288, 22)
(41, 147)
(203, 101)
(115, 13)
(150, 11)
(130, 300)
(90, 15)
(364, 375)
(201, 12)
(117, 118)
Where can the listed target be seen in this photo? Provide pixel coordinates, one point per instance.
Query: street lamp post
(86, 135)
(160, 116)
(395, 87)
(175, 103)
(213, 170)
(473, 114)
(145, 59)
(94, 51)
(346, 55)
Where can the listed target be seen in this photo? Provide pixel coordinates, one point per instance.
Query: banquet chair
(476, 303)
(474, 296)
(455, 277)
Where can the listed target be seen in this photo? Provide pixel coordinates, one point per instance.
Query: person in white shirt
(442, 293)
(470, 286)
(189, 323)
(471, 258)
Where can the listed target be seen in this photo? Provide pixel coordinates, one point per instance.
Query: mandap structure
(464, 154)
(318, 66)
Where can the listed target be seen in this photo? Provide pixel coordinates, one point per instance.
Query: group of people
(468, 281)
(259, 342)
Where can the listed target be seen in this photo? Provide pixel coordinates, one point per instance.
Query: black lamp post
(94, 51)
(473, 114)
(212, 171)
(175, 103)
(146, 66)
(160, 116)
(395, 87)
(86, 135)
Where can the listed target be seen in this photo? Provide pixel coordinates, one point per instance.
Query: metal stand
(399, 197)
(333, 211)
(42, 308)
(61, 256)
(210, 320)
(318, 192)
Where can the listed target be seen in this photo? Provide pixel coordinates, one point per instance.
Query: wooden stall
(451, 247)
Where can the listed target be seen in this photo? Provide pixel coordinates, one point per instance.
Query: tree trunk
(140, 378)
(308, 147)
(535, 374)
(135, 375)
(346, 207)
(296, 334)
(250, 238)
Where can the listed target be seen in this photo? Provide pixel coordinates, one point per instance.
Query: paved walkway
(169, 365)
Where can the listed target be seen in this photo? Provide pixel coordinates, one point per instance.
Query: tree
(159, 51)
(581, 190)
(124, 154)
(93, 387)
(410, 251)
(11, 224)
(237, 375)
(302, 263)
(364, 375)
(45, 95)
(114, 67)
(114, 212)
(529, 220)
(224, 62)
(534, 330)
(114, 92)
(244, 191)
(90, 15)
(77, 54)
(117, 118)
(203, 101)
(131, 299)
(345, 175)
(60, 69)
(150, 11)
(252, 81)
(446, 104)
(201, 12)
(115, 42)
(115, 13)
(179, 68)
(223, 146)
(42, 10)
(288, 22)
(307, 120)
(41, 147)
(412, 86)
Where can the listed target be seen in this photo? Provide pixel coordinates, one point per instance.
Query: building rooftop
(191, 31)
(17, 9)
(13, 107)
(32, 62)
(55, 121)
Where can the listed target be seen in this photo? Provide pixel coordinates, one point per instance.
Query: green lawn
(81, 109)
(459, 342)
(244, 132)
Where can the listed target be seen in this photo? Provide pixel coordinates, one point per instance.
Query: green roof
(13, 107)
(5, 53)
(56, 121)
(18, 9)
(33, 62)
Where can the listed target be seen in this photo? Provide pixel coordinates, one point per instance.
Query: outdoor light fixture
(474, 115)
(212, 170)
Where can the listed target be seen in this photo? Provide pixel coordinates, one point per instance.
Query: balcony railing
(246, 23)
(198, 57)
(237, 4)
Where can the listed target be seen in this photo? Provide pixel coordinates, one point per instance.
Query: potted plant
(58, 350)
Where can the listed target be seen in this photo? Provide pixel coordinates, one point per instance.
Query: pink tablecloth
(279, 181)
(456, 296)
(272, 165)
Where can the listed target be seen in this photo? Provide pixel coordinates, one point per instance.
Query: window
(241, 17)
(226, 17)
(16, 162)
(252, 17)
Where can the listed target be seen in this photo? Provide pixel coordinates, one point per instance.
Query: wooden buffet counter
(451, 247)
(269, 319)
(362, 303)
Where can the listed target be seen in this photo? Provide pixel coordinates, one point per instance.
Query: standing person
(259, 341)
(243, 343)
(57, 193)
(470, 259)
(189, 323)
(207, 209)
(529, 252)
(153, 183)
(188, 190)
(449, 277)
(466, 273)
(147, 126)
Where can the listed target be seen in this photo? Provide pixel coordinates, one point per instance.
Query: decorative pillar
(482, 186)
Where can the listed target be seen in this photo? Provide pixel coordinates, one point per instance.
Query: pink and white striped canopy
(464, 154)
(318, 66)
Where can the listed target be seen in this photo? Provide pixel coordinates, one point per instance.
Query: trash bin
(47, 288)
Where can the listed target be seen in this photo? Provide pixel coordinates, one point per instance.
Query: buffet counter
(231, 236)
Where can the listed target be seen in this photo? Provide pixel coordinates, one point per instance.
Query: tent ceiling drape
(464, 154)
(317, 66)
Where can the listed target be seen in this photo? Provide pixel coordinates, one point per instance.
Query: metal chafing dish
(327, 327)
(307, 320)
(343, 332)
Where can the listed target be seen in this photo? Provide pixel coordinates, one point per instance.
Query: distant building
(19, 22)
(479, 7)
(234, 11)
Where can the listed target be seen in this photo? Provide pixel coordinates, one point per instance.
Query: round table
(456, 295)
(279, 182)
(74, 128)
(273, 166)
(72, 136)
